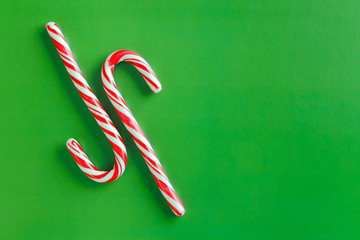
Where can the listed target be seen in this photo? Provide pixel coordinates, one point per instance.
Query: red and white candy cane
(97, 111)
(105, 122)
(132, 126)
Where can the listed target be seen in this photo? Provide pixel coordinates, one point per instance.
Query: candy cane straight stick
(132, 126)
(97, 111)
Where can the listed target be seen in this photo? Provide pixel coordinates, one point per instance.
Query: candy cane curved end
(132, 126)
(138, 62)
(96, 110)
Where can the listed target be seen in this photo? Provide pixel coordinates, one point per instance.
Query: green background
(257, 125)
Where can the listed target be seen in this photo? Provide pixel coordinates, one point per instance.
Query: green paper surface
(257, 125)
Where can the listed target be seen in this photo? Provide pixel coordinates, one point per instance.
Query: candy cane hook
(132, 126)
(97, 111)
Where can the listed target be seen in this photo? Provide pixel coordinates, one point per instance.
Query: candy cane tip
(180, 213)
(156, 90)
(50, 24)
(71, 141)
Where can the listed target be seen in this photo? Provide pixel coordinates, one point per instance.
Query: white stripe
(129, 56)
(91, 171)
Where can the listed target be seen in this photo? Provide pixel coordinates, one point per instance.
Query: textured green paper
(257, 125)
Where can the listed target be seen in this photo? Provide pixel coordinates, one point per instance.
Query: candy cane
(132, 126)
(97, 111)
(105, 122)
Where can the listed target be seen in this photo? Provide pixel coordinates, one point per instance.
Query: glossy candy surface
(105, 122)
